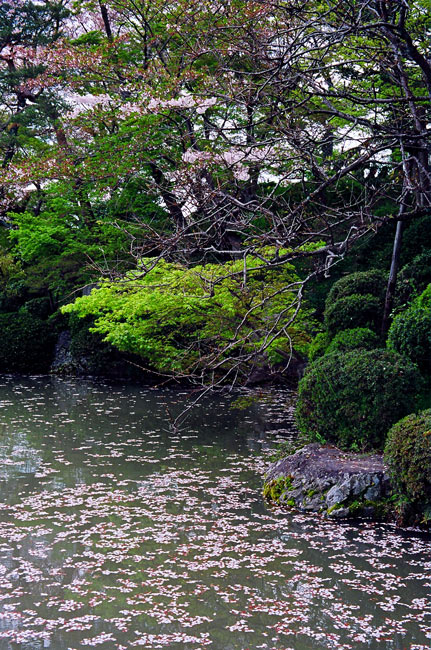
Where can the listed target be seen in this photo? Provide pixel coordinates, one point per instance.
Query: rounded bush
(371, 282)
(352, 312)
(410, 332)
(318, 346)
(352, 339)
(413, 278)
(26, 343)
(352, 399)
(408, 455)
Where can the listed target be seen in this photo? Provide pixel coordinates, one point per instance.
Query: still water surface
(117, 534)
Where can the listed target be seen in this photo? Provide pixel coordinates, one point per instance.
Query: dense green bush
(413, 278)
(375, 250)
(354, 311)
(352, 339)
(408, 455)
(416, 238)
(352, 399)
(318, 346)
(39, 307)
(26, 343)
(410, 332)
(371, 282)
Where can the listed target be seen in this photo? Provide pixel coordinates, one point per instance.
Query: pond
(115, 533)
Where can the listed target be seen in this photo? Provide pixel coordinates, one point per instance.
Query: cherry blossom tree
(282, 130)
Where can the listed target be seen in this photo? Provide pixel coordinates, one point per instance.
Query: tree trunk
(390, 291)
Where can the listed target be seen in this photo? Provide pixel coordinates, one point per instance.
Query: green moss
(383, 509)
(355, 508)
(336, 506)
(273, 490)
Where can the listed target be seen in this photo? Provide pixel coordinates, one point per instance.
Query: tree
(280, 131)
(27, 29)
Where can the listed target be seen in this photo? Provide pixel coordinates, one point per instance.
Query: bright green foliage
(353, 311)
(352, 399)
(55, 247)
(410, 332)
(318, 346)
(92, 356)
(408, 455)
(363, 282)
(413, 278)
(26, 343)
(43, 236)
(352, 339)
(179, 319)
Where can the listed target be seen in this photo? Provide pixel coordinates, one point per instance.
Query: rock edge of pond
(327, 480)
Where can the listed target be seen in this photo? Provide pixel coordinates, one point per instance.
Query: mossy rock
(275, 489)
(91, 355)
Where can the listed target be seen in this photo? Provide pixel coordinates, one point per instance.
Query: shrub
(352, 312)
(39, 307)
(26, 343)
(410, 332)
(408, 455)
(413, 278)
(352, 339)
(371, 282)
(416, 238)
(352, 399)
(318, 346)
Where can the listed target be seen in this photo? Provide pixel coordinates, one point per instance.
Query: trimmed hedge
(353, 399)
(26, 343)
(408, 455)
(354, 311)
(352, 339)
(371, 282)
(413, 279)
(318, 346)
(410, 332)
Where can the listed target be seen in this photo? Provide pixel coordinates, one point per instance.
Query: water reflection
(115, 533)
